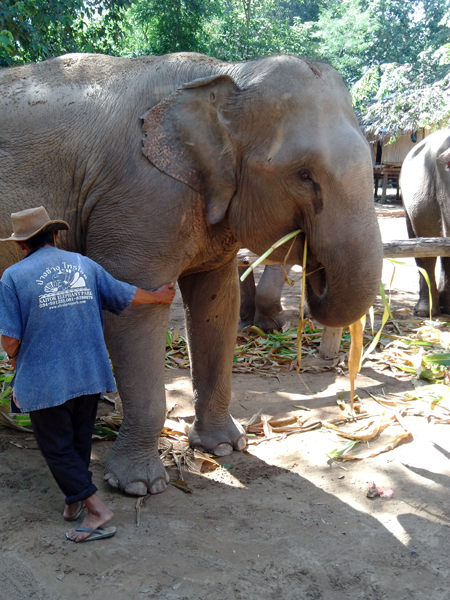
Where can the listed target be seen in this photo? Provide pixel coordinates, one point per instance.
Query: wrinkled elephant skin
(425, 185)
(165, 167)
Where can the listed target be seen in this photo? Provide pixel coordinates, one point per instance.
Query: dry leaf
(355, 353)
(266, 426)
(181, 485)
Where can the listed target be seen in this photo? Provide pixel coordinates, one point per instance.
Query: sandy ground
(281, 522)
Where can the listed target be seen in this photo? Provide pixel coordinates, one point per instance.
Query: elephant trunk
(343, 276)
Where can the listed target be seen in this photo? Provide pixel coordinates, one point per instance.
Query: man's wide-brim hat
(28, 223)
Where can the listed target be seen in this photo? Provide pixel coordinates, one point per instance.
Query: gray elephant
(166, 166)
(425, 185)
(261, 304)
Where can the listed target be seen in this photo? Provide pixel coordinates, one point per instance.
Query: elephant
(425, 185)
(164, 166)
(261, 304)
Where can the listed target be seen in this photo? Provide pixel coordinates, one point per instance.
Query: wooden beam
(417, 248)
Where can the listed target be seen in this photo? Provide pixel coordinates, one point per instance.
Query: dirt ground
(280, 522)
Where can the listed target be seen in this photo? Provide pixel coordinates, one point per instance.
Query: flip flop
(77, 516)
(96, 534)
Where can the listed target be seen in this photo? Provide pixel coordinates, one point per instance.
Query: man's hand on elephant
(166, 294)
(163, 295)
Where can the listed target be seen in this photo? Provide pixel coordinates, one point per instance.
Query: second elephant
(425, 184)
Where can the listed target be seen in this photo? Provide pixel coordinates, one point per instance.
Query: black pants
(64, 436)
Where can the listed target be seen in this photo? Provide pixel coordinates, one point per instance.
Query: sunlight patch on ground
(224, 477)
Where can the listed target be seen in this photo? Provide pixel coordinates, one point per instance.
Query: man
(51, 323)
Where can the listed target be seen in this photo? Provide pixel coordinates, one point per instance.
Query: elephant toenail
(136, 488)
(223, 450)
(158, 485)
(112, 480)
(241, 443)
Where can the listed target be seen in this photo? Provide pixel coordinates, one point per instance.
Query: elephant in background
(425, 184)
(164, 166)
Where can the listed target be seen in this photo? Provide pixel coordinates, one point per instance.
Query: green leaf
(339, 452)
(386, 314)
(437, 359)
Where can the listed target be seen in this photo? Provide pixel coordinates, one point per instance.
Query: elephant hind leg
(269, 313)
(248, 292)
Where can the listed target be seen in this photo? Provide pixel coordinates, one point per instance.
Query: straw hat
(28, 223)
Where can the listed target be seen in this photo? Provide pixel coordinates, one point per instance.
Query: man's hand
(163, 295)
(166, 294)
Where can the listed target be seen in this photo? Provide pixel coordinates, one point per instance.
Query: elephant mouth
(316, 278)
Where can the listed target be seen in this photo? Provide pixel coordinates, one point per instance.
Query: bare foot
(98, 515)
(72, 511)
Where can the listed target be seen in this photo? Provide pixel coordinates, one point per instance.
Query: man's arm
(163, 295)
(11, 346)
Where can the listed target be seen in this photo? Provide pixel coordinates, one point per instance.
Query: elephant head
(274, 146)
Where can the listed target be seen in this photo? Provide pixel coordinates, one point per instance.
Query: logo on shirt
(64, 285)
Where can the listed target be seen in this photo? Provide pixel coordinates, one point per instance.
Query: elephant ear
(187, 137)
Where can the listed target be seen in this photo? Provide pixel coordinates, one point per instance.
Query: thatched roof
(403, 114)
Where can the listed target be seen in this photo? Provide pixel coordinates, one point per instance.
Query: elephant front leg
(136, 343)
(211, 302)
(422, 308)
(444, 286)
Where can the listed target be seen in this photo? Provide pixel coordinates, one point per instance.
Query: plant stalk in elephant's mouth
(267, 253)
(301, 319)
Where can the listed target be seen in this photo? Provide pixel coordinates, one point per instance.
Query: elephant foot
(136, 478)
(422, 309)
(219, 440)
(245, 324)
(269, 324)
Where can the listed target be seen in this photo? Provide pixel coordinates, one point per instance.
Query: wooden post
(384, 192)
(330, 342)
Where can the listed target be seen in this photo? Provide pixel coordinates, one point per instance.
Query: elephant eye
(212, 96)
(304, 175)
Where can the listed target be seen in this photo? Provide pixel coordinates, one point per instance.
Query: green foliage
(161, 27)
(229, 30)
(345, 35)
(32, 30)
(246, 29)
(397, 98)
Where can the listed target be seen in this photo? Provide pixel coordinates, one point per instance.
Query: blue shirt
(52, 301)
